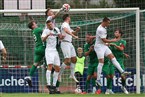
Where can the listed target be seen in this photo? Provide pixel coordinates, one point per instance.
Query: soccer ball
(78, 91)
(66, 7)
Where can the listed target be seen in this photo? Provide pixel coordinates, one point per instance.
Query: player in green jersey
(93, 62)
(117, 49)
(39, 51)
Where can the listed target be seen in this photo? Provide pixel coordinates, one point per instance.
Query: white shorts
(52, 57)
(68, 50)
(102, 50)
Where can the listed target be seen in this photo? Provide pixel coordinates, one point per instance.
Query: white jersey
(51, 41)
(101, 32)
(1, 45)
(67, 36)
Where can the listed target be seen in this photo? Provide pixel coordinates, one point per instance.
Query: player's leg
(111, 73)
(109, 54)
(73, 62)
(123, 78)
(66, 53)
(49, 55)
(100, 51)
(98, 89)
(78, 77)
(57, 68)
(38, 57)
(89, 76)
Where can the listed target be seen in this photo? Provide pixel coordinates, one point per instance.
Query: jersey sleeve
(1, 45)
(45, 33)
(123, 43)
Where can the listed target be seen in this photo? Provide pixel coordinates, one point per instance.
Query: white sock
(55, 77)
(117, 65)
(99, 70)
(72, 68)
(62, 69)
(48, 77)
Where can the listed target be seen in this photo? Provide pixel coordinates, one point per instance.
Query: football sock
(32, 70)
(117, 65)
(48, 77)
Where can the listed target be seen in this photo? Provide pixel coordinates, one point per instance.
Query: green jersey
(37, 32)
(118, 53)
(92, 55)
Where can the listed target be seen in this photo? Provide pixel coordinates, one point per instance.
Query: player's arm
(76, 31)
(70, 33)
(126, 55)
(57, 13)
(109, 40)
(89, 51)
(120, 47)
(44, 35)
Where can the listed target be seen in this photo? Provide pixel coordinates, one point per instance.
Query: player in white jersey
(4, 52)
(102, 49)
(50, 35)
(67, 47)
(51, 16)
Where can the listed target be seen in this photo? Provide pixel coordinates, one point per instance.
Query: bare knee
(49, 67)
(101, 60)
(57, 68)
(73, 59)
(110, 56)
(67, 61)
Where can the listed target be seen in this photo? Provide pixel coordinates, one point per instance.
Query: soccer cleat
(58, 92)
(111, 92)
(125, 73)
(28, 80)
(98, 91)
(74, 78)
(98, 83)
(124, 90)
(84, 93)
(94, 90)
(50, 88)
(107, 91)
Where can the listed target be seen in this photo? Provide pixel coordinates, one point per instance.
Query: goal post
(91, 22)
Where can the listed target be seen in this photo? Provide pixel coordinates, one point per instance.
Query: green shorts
(92, 68)
(121, 61)
(39, 53)
(108, 68)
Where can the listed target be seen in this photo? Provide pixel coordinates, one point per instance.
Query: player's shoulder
(45, 30)
(122, 40)
(56, 28)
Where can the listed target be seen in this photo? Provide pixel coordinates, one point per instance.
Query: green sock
(123, 82)
(93, 82)
(57, 84)
(109, 83)
(32, 70)
(87, 84)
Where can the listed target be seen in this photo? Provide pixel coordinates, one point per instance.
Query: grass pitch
(66, 95)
